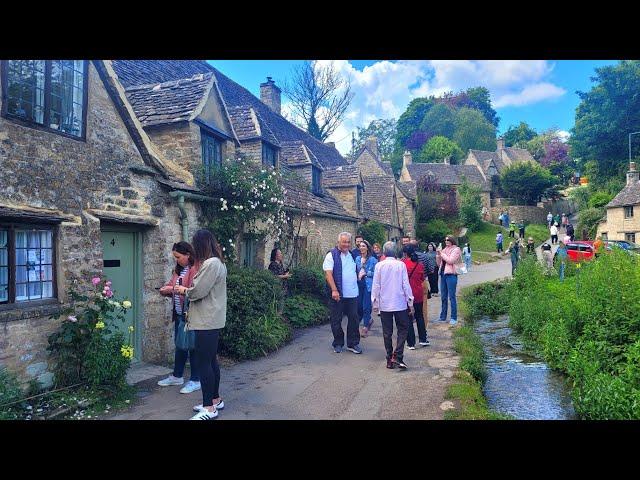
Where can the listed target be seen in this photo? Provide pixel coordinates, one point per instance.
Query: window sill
(43, 128)
(13, 312)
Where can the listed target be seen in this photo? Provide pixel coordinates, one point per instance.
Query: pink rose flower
(108, 283)
(109, 294)
(95, 281)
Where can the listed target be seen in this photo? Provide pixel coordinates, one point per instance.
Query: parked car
(578, 251)
(625, 245)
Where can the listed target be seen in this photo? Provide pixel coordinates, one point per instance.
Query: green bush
(105, 363)
(373, 232)
(469, 347)
(10, 391)
(433, 231)
(599, 199)
(254, 327)
(588, 220)
(308, 281)
(303, 311)
(489, 299)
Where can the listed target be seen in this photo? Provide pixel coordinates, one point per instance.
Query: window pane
(25, 89)
(21, 239)
(4, 284)
(47, 290)
(46, 238)
(47, 272)
(33, 239)
(4, 257)
(35, 291)
(21, 256)
(21, 292)
(46, 256)
(66, 97)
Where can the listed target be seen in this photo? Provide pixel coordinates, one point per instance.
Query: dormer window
(316, 180)
(211, 153)
(269, 156)
(359, 198)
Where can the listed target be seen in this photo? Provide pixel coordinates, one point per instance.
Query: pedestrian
(277, 268)
(415, 270)
(391, 295)
(521, 229)
(571, 231)
(207, 317)
(556, 220)
(182, 274)
(447, 260)
(432, 269)
(598, 246)
(366, 264)
(341, 274)
(466, 254)
(356, 250)
(377, 251)
(505, 219)
(561, 252)
(553, 230)
(500, 218)
(485, 213)
(531, 248)
(513, 249)
(499, 240)
(565, 221)
(512, 229)
(549, 219)
(547, 256)
(406, 239)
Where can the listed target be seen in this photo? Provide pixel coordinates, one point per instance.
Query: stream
(518, 384)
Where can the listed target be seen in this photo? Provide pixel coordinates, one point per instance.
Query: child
(466, 253)
(499, 242)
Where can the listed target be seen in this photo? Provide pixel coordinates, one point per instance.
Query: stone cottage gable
(380, 202)
(368, 161)
(249, 125)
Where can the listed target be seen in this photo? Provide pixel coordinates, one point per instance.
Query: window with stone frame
(249, 251)
(316, 181)
(628, 212)
(359, 198)
(630, 237)
(48, 94)
(604, 236)
(27, 263)
(211, 153)
(269, 155)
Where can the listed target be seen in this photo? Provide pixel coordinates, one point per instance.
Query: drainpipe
(184, 219)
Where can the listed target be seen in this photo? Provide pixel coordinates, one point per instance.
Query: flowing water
(518, 384)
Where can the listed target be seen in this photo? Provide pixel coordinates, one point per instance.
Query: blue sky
(539, 92)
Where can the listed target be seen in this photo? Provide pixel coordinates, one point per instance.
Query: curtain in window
(25, 89)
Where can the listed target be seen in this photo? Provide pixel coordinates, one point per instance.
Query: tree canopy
(437, 149)
(383, 130)
(518, 136)
(474, 131)
(605, 117)
(526, 182)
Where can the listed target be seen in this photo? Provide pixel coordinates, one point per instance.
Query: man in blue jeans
(447, 260)
(341, 274)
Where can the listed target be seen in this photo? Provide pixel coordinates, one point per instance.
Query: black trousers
(433, 282)
(348, 307)
(422, 330)
(206, 358)
(402, 324)
(554, 239)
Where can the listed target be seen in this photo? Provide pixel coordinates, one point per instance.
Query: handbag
(185, 339)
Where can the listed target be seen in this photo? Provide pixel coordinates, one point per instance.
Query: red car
(580, 251)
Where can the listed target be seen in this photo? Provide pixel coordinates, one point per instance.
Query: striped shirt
(177, 303)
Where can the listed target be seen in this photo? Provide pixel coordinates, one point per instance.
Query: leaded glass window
(4, 266)
(211, 153)
(269, 155)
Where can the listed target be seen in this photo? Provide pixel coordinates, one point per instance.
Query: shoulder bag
(185, 339)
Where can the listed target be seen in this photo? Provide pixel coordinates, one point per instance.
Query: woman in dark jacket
(432, 268)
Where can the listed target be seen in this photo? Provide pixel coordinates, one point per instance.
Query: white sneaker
(411, 348)
(171, 380)
(219, 406)
(205, 414)
(425, 344)
(191, 386)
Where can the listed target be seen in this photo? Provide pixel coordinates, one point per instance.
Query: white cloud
(384, 89)
(564, 135)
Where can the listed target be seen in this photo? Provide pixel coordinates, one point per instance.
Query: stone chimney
(372, 144)
(633, 176)
(270, 95)
(500, 142)
(447, 160)
(331, 144)
(407, 158)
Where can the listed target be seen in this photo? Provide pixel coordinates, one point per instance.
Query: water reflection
(518, 384)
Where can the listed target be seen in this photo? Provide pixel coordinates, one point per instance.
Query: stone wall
(517, 213)
(347, 198)
(77, 178)
(368, 166)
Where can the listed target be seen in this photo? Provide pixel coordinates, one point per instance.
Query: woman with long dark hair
(366, 264)
(415, 271)
(207, 317)
(183, 274)
(432, 268)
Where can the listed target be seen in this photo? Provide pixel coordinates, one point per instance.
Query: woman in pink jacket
(447, 259)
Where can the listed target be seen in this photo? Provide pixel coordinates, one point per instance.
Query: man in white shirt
(391, 295)
(341, 274)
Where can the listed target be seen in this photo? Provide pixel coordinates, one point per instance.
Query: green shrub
(588, 220)
(10, 391)
(489, 299)
(469, 347)
(254, 327)
(105, 363)
(433, 231)
(373, 232)
(599, 199)
(307, 281)
(303, 311)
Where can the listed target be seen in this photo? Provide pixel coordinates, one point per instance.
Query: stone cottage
(622, 221)
(84, 190)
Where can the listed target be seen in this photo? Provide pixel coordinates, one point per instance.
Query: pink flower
(71, 318)
(108, 283)
(109, 294)
(95, 280)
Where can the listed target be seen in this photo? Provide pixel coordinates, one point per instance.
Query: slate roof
(298, 196)
(295, 153)
(408, 189)
(447, 174)
(386, 166)
(248, 124)
(629, 195)
(343, 176)
(168, 102)
(518, 154)
(137, 72)
(378, 198)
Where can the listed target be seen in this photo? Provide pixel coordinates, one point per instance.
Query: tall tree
(439, 120)
(409, 122)
(474, 131)
(526, 182)
(383, 130)
(437, 149)
(480, 99)
(320, 97)
(605, 117)
(518, 136)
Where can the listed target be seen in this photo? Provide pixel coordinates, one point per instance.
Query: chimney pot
(633, 176)
(407, 158)
(500, 143)
(270, 95)
(372, 144)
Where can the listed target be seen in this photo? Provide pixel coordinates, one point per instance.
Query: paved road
(306, 380)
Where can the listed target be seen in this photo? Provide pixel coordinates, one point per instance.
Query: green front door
(120, 266)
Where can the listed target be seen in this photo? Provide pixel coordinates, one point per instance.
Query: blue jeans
(448, 285)
(182, 356)
(562, 265)
(467, 262)
(364, 305)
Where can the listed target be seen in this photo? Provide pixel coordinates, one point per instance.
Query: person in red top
(415, 270)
